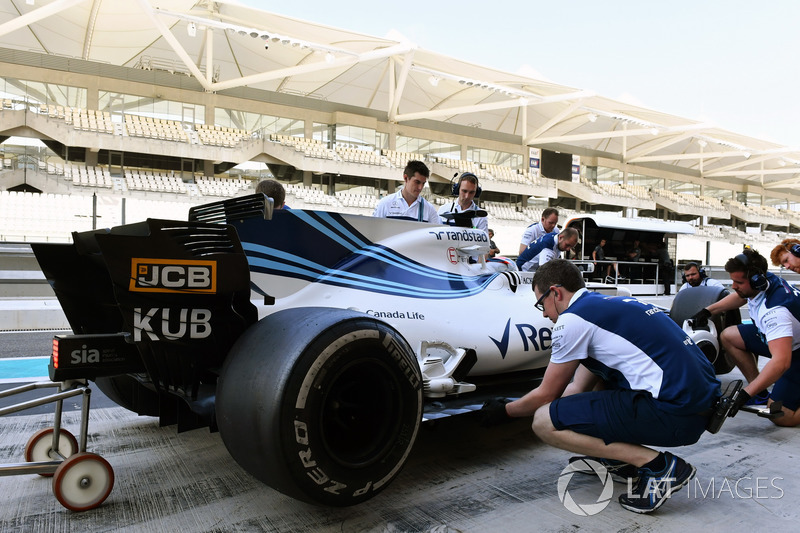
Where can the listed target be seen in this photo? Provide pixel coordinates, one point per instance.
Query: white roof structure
(638, 224)
(225, 45)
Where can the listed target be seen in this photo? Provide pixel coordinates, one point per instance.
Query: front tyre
(321, 404)
(688, 302)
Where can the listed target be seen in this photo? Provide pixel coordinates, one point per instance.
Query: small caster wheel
(40, 446)
(83, 481)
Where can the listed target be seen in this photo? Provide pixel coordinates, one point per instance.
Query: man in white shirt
(534, 231)
(407, 202)
(466, 188)
(694, 276)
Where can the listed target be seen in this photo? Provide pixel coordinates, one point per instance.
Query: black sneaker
(619, 471)
(654, 488)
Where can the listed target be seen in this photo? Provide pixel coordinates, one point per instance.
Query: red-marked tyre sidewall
(331, 401)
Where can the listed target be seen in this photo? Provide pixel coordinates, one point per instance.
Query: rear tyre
(323, 405)
(688, 302)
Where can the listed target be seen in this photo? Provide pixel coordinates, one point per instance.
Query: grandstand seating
(220, 136)
(225, 187)
(357, 155)
(401, 159)
(462, 166)
(309, 147)
(156, 128)
(166, 184)
(757, 213)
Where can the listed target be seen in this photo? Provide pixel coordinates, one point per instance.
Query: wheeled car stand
(81, 480)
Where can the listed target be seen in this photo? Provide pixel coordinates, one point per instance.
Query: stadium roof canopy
(225, 45)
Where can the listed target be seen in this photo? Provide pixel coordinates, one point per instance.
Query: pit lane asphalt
(459, 477)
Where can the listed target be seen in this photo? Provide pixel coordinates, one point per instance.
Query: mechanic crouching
(774, 332)
(622, 376)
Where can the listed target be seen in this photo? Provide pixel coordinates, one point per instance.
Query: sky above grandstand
(732, 63)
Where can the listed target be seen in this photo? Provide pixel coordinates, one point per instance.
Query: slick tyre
(323, 405)
(688, 302)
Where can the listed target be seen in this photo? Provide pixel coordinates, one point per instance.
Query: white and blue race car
(315, 342)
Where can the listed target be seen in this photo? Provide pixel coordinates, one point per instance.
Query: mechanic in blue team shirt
(407, 202)
(658, 387)
(544, 226)
(466, 189)
(274, 190)
(547, 247)
(774, 308)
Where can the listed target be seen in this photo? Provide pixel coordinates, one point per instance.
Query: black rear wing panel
(180, 291)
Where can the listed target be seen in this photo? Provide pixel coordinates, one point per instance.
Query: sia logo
(173, 275)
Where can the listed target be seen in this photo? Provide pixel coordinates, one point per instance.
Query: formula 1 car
(315, 342)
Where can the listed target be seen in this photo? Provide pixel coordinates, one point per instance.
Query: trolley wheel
(40, 446)
(83, 481)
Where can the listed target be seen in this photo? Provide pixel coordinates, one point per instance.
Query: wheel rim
(360, 413)
(83, 482)
(40, 447)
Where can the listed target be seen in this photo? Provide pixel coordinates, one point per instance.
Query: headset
(794, 249)
(457, 183)
(757, 277)
(701, 270)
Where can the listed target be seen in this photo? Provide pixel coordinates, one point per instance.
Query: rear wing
(254, 205)
(179, 291)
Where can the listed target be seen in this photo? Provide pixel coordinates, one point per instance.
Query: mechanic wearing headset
(694, 276)
(466, 188)
(547, 247)
(407, 202)
(659, 387)
(787, 255)
(774, 308)
(543, 227)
